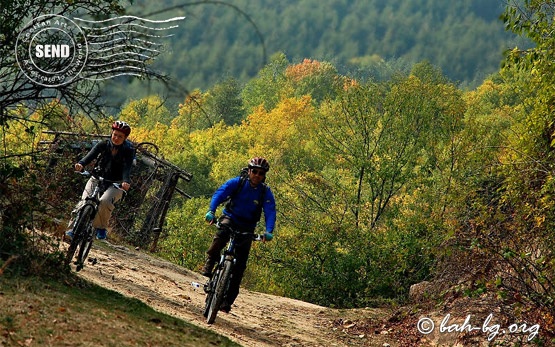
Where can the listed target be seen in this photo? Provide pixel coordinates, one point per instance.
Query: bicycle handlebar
(255, 237)
(116, 184)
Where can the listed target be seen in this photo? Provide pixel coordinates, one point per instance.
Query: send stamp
(53, 50)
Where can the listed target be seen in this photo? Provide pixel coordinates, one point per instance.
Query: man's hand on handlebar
(210, 217)
(124, 185)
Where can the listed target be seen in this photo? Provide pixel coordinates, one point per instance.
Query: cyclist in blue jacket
(246, 200)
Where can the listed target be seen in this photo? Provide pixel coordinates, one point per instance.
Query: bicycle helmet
(122, 126)
(259, 162)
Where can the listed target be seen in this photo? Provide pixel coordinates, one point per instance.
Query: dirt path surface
(256, 320)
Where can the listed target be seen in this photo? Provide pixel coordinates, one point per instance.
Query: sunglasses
(258, 172)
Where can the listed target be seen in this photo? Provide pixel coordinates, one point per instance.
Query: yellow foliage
(130, 114)
(25, 131)
(278, 124)
(158, 136)
(190, 115)
(145, 112)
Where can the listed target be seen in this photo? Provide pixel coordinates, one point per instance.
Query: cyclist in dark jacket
(114, 159)
(242, 212)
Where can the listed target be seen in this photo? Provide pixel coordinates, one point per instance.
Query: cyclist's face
(256, 176)
(118, 137)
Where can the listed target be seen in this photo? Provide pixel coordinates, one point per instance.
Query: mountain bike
(83, 231)
(217, 286)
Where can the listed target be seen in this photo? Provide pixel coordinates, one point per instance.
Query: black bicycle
(83, 231)
(217, 286)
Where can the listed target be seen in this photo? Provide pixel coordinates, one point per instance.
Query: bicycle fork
(210, 285)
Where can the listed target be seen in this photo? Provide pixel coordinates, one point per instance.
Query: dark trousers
(242, 250)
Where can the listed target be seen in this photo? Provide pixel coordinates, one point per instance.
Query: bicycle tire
(210, 292)
(211, 296)
(219, 291)
(84, 248)
(80, 228)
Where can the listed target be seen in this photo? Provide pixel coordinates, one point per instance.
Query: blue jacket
(245, 204)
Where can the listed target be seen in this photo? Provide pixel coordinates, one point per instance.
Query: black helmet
(259, 162)
(122, 126)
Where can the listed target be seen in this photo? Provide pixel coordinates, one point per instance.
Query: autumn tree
(382, 133)
(318, 79)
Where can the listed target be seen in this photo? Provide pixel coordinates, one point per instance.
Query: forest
(363, 39)
(379, 183)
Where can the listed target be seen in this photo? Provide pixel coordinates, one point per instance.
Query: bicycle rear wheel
(80, 228)
(219, 292)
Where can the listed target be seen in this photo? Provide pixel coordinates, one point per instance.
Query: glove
(268, 236)
(210, 217)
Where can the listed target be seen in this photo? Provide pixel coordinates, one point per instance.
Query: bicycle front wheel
(80, 229)
(220, 291)
(210, 292)
(84, 248)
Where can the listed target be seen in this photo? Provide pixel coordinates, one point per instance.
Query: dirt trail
(256, 320)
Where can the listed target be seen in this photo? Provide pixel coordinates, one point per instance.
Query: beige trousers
(107, 202)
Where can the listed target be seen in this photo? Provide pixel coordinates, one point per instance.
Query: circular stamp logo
(51, 50)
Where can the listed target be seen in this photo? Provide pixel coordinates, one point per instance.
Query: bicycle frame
(83, 231)
(217, 286)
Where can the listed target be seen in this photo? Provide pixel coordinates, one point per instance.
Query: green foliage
(317, 240)
(225, 102)
(188, 236)
(371, 38)
(266, 89)
(428, 73)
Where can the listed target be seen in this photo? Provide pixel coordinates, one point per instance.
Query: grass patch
(72, 312)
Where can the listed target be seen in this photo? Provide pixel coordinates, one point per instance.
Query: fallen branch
(7, 263)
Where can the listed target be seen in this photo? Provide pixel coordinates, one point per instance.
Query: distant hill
(235, 38)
